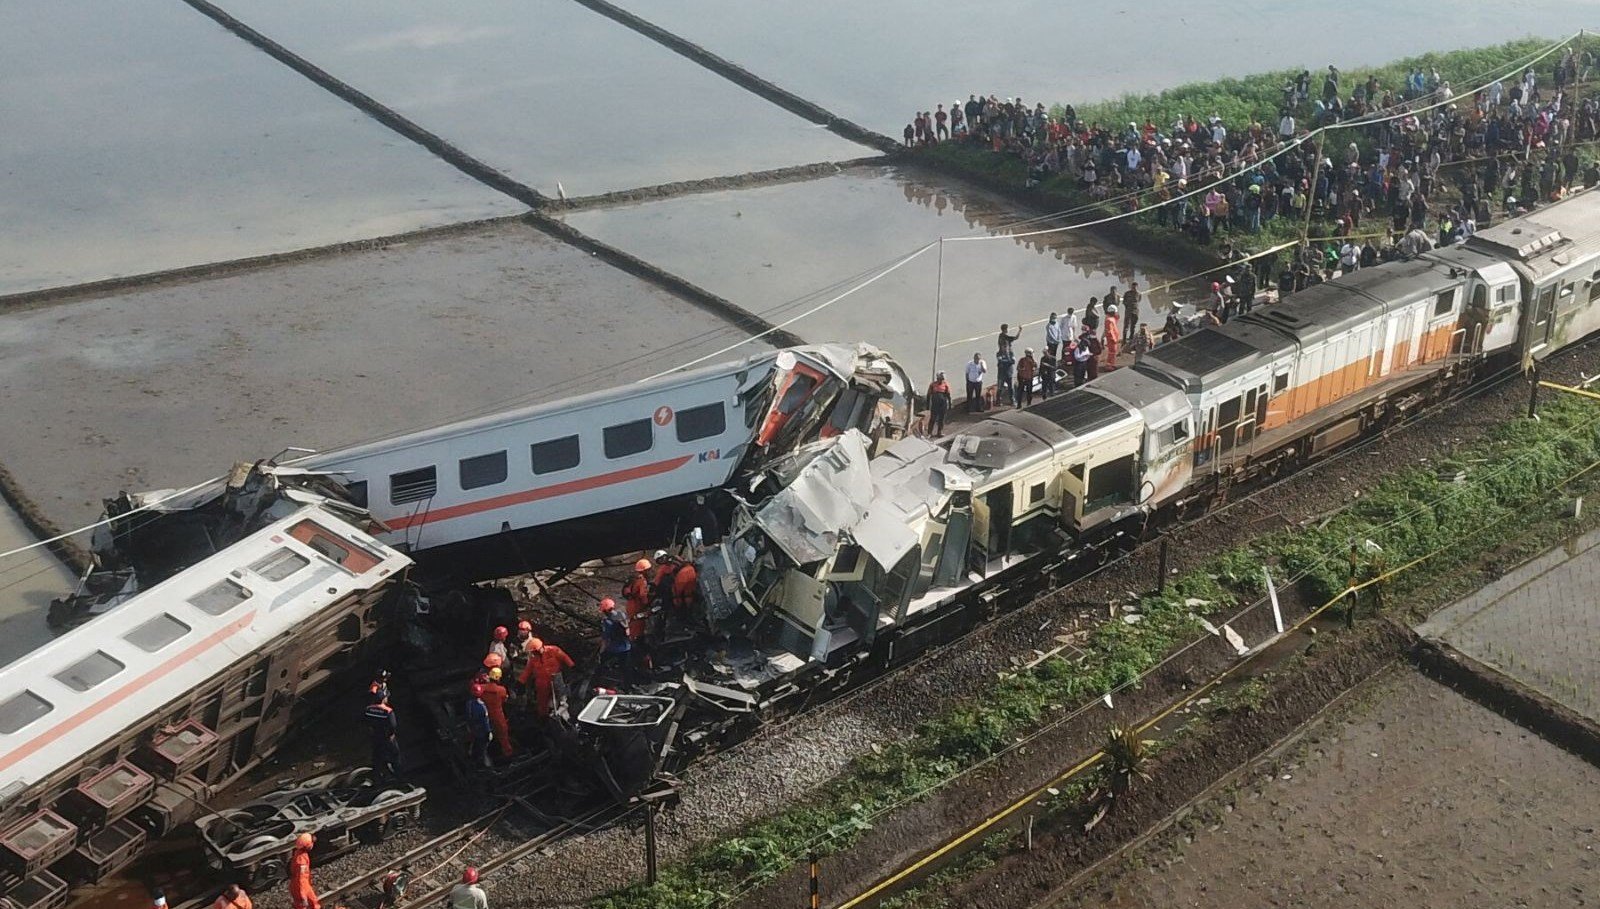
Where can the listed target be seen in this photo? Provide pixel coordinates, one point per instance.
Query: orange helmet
(535, 644)
(500, 633)
(525, 625)
(493, 661)
(305, 841)
(608, 604)
(642, 565)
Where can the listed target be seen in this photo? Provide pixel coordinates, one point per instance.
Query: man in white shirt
(976, 370)
(1067, 325)
(1286, 127)
(1052, 334)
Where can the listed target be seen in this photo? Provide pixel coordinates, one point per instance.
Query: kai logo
(712, 455)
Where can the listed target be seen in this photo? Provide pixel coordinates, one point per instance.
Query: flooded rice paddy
(137, 136)
(166, 386)
(878, 63)
(546, 90)
(28, 582)
(785, 249)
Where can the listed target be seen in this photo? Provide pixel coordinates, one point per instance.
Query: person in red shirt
(545, 662)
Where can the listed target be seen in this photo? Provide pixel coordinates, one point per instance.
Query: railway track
(433, 867)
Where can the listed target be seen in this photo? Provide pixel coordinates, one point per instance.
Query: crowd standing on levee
(1508, 147)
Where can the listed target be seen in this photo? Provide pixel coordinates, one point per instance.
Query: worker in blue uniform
(384, 731)
(616, 647)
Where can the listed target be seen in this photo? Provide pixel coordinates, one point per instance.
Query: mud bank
(1196, 765)
(71, 554)
(797, 174)
(739, 75)
(32, 298)
(1552, 720)
(464, 162)
(722, 307)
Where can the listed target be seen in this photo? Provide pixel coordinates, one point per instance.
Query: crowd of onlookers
(1513, 142)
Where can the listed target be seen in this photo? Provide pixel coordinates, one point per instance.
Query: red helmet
(469, 876)
(305, 841)
(500, 633)
(608, 604)
(493, 661)
(477, 690)
(525, 625)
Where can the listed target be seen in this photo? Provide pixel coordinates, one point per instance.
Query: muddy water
(546, 90)
(879, 62)
(781, 250)
(137, 136)
(28, 581)
(166, 386)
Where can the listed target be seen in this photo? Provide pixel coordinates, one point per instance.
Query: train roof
(68, 698)
(1015, 437)
(1153, 396)
(839, 357)
(1211, 355)
(1546, 239)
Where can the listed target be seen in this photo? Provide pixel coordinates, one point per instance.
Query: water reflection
(782, 250)
(546, 90)
(137, 136)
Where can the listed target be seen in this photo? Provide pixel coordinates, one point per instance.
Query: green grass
(1415, 512)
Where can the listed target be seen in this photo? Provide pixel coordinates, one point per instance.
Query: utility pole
(816, 890)
(1533, 391)
(650, 843)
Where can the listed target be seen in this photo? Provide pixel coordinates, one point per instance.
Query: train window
(556, 454)
(1177, 432)
(701, 422)
(1228, 412)
(89, 671)
(413, 485)
(1480, 297)
(629, 438)
(357, 493)
(219, 597)
(280, 564)
(1280, 383)
(156, 633)
(1445, 302)
(483, 470)
(1566, 291)
(21, 709)
(1035, 493)
(1594, 286)
(1111, 483)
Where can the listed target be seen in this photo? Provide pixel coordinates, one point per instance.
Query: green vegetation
(1489, 495)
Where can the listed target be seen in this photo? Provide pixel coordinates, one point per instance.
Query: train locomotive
(853, 546)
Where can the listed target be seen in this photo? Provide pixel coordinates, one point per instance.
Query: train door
(1205, 449)
(957, 539)
(1001, 511)
(1403, 328)
(1544, 317)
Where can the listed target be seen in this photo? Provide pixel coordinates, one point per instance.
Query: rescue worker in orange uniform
(233, 898)
(494, 698)
(637, 593)
(545, 662)
(301, 893)
(685, 590)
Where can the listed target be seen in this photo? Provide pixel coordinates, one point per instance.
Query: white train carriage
(121, 727)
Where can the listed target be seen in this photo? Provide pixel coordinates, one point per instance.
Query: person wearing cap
(467, 894)
(519, 646)
(546, 662)
(615, 647)
(1113, 339)
(478, 728)
(302, 895)
(637, 594)
(938, 404)
(497, 643)
(380, 684)
(1027, 371)
(158, 900)
(233, 897)
(384, 732)
(494, 696)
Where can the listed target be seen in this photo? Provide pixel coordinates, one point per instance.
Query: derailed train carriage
(862, 561)
(120, 732)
